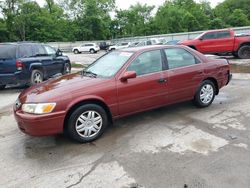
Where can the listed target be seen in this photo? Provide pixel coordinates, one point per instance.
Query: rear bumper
(14, 78)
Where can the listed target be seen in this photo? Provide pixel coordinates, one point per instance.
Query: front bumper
(40, 125)
(15, 78)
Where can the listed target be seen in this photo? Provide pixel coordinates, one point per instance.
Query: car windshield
(109, 64)
(7, 51)
(199, 36)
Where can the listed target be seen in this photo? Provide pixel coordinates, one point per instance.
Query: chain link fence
(67, 46)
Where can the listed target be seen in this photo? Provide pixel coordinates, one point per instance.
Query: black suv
(30, 63)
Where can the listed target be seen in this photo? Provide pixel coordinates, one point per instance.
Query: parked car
(221, 42)
(172, 42)
(30, 63)
(150, 42)
(104, 46)
(88, 47)
(133, 44)
(119, 46)
(118, 84)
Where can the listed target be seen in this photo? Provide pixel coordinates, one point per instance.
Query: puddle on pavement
(240, 68)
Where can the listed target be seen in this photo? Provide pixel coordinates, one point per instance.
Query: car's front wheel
(205, 94)
(36, 77)
(2, 87)
(67, 68)
(87, 123)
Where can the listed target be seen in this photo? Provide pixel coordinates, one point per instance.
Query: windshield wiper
(89, 73)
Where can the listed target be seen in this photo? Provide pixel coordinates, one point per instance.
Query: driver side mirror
(201, 39)
(128, 75)
(59, 52)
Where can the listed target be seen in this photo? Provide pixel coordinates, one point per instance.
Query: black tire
(193, 47)
(92, 51)
(244, 52)
(200, 101)
(67, 68)
(35, 74)
(2, 87)
(76, 51)
(73, 121)
(235, 54)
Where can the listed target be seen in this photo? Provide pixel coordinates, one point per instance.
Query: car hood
(61, 88)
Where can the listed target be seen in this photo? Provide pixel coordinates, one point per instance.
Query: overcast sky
(124, 4)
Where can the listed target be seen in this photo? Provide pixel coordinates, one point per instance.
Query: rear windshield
(7, 51)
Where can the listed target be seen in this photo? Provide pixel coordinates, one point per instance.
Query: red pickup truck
(221, 42)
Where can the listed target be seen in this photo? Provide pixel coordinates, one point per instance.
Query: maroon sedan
(118, 84)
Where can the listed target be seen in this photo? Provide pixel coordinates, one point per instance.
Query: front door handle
(162, 80)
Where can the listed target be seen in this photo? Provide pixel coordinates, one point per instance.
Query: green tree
(226, 12)
(135, 21)
(3, 31)
(238, 18)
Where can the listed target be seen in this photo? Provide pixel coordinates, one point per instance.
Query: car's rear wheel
(2, 87)
(67, 68)
(76, 51)
(92, 51)
(36, 77)
(244, 52)
(205, 94)
(87, 123)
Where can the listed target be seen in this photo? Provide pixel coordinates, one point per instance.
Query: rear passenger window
(25, 51)
(224, 34)
(178, 57)
(148, 62)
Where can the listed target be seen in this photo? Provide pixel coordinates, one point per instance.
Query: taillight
(19, 65)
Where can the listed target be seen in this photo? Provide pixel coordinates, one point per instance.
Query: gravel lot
(167, 147)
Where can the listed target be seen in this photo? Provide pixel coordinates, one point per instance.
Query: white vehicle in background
(87, 47)
(150, 42)
(119, 46)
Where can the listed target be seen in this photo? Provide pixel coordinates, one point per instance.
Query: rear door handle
(162, 80)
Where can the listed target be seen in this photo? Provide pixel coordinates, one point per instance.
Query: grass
(78, 66)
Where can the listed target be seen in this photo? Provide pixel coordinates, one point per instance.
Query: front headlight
(40, 108)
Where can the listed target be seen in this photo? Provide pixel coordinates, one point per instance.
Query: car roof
(148, 48)
(218, 30)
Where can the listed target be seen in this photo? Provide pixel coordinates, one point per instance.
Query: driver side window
(50, 51)
(212, 35)
(146, 63)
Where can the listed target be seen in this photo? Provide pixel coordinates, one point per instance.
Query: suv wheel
(92, 51)
(76, 51)
(36, 77)
(205, 94)
(244, 52)
(2, 87)
(67, 68)
(87, 123)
